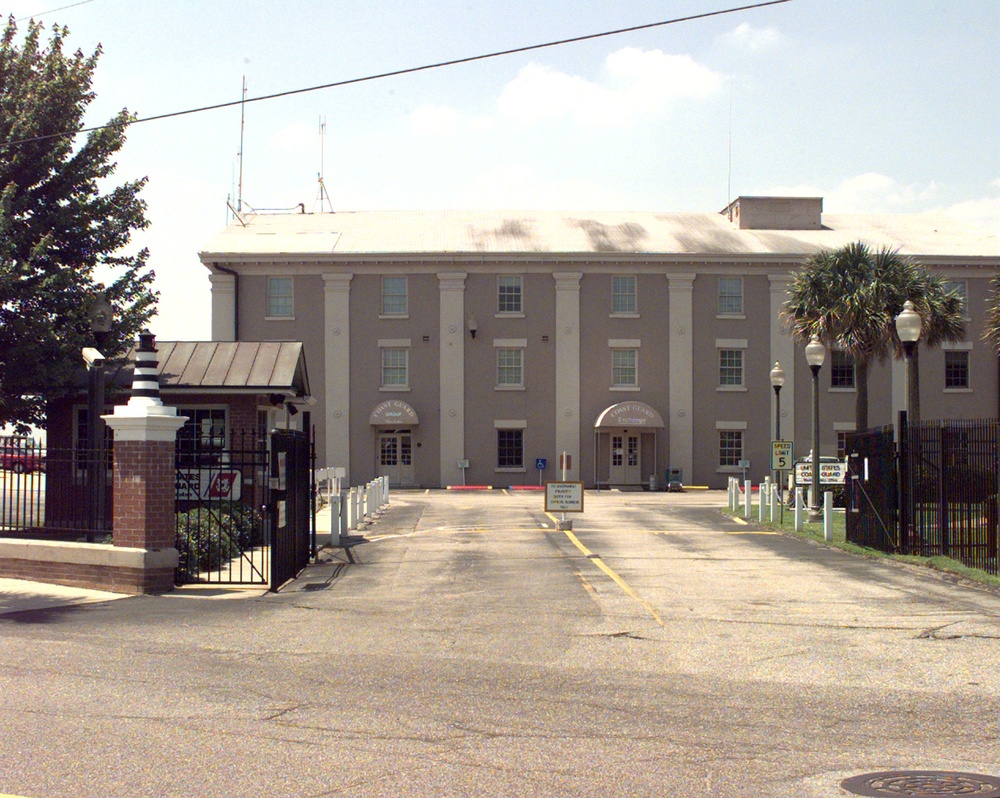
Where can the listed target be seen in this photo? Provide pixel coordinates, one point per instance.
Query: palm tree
(992, 329)
(850, 297)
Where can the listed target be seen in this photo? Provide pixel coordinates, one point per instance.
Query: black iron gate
(290, 505)
(221, 520)
(872, 504)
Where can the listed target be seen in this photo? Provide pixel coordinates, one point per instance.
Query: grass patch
(814, 531)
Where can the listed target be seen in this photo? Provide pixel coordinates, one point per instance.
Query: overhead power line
(53, 11)
(411, 70)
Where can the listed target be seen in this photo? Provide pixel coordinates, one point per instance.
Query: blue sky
(879, 106)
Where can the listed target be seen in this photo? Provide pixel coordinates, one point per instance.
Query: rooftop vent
(776, 213)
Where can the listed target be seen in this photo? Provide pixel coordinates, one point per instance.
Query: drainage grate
(922, 784)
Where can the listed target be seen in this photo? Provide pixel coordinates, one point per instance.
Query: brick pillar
(145, 434)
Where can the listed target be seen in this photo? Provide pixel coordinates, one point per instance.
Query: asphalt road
(660, 649)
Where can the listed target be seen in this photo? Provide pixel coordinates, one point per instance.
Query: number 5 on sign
(781, 455)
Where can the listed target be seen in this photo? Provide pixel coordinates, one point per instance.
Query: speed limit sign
(781, 455)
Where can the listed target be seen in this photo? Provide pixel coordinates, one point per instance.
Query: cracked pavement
(474, 650)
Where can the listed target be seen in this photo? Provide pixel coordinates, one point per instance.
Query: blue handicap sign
(541, 463)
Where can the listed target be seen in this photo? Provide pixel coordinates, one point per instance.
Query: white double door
(395, 457)
(626, 460)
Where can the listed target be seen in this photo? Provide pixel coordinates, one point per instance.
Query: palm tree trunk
(861, 395)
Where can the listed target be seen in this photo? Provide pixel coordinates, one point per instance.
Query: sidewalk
(20, 595)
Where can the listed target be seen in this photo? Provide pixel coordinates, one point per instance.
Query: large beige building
(451, 347)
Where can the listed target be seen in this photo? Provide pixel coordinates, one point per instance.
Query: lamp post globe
(908, 327)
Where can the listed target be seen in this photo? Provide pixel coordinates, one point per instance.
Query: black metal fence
(46, 492)
(934, 491)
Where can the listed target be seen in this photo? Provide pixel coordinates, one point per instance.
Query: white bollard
(747, 490)
(336, 505)
(774, 502)
(734, 492)
(827, 516)
(799, 503)
(761, 501)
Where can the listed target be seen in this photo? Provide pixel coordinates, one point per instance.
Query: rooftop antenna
(323, 196)
(729, 175)
(243, 103)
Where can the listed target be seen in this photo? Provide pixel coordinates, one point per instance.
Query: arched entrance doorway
(626, 444)
(393, 422)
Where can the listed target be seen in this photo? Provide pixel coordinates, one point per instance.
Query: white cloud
(294, 137)
(443, 120)
(637, 83)
(746, 37)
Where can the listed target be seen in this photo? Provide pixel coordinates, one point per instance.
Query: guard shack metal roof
(239, 367)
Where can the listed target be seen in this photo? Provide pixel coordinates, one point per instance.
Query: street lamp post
(815, 354)
(99, 314)
(777, 381)
(908, 326)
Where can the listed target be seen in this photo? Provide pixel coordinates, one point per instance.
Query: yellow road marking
(603, 566)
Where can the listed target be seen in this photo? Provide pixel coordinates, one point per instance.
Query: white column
(223, 306)
(783, 350)
(567, 407)
(681, 392)
(451, 291)
(337, 370)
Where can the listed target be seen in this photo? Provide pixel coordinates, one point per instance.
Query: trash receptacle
(675, 479)
(652, 482)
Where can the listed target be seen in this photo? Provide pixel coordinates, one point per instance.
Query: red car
(21, 455)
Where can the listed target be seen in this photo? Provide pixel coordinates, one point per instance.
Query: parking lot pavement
(22, 595)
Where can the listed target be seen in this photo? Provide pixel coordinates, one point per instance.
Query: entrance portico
(393, 422)
(626, 445)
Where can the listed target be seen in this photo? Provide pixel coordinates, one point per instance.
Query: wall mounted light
(473, 326)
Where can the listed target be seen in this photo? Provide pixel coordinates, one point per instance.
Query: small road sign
(541, 463)
(564, 497)
(782, 455)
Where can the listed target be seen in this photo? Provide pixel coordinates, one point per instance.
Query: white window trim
(520, 424)
(625, 314)
(629, 345)
(382, 314)
(267, 297)
(959, 346)
(510, 314)
(743, 297)
(510, 343)
(393, 343)
(724, 426)
(732, 343)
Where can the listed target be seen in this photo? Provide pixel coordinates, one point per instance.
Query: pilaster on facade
(783, 351)
(223, 306)
(451, 290)
(337, 369)
(567, 372)
(681, 354)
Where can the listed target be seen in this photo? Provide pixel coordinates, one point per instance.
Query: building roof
(225, 367)
(330, 236)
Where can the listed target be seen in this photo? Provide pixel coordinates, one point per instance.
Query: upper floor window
(956, 368)
(961, 289)
(510, 368)
(395, 367)
(280, 301)
(624, 368)
(841, 369)
(394, 296)
(623, 294)
(730, 296)
(509, 289)
(730, 367)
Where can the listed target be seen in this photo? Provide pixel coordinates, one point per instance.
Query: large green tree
(64, 226)
(850, 297)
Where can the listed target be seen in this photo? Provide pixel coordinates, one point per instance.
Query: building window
(510, 368)
(731, 367)
(623, 367)
(956, 369)
(961, 289)
(202, 440)
(280, 304)
(730, 296)
(509, 294)
(510, 448)
(394, 296)
(842, 444)
(730, 447)
(623, 294)
(395, 368)
(841, 369)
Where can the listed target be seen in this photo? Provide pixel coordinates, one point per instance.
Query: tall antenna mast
(323, 196)
(243, 103)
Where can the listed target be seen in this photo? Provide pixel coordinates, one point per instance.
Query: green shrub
(206, 539)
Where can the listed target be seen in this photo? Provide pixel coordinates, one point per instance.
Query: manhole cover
(923, 784)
